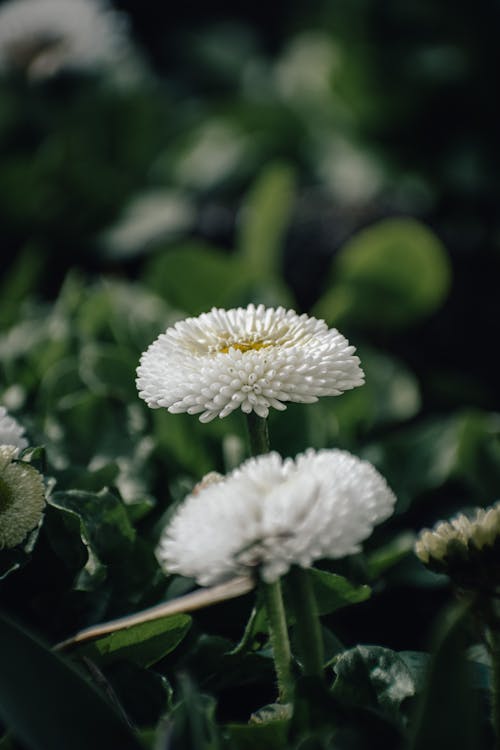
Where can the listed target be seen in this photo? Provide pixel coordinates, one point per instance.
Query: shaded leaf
(54, 713)
(448, 712)
(143, 644)
(373, 677)
(333, 591)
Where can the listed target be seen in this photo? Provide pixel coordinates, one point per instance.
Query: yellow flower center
(245, 346)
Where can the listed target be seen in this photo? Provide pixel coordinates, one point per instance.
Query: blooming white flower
(253, 358)
(22, 498)
(11, 432)
(42, 37)
(272, 513)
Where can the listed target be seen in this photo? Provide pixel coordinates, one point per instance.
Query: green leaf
(448, 714)
(388, 275)
(271, 735)
(386, 557)
(376, 678)
(104, 529)
(195, 277)
(265, 217)
(418, 458)
(192, 722)
(144, 695)
(47, 704)
(143, 644)
(333, 592)
(15, 558)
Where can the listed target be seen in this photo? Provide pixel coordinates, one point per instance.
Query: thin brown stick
(188, 603)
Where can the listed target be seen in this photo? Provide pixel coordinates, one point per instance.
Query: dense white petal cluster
(252, 358)
(22, 498)
(11, 432)
(42, 37)
(272, 513)
(459, 537)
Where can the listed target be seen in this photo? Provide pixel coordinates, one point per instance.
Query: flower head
(11, 432)
(272, 513)
(42, 37)
(22, 498)
(252, 358)
(465, 548)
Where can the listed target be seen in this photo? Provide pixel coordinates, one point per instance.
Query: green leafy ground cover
(246, 177)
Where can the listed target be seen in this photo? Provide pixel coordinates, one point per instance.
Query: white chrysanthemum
(42, 37)
(251, 358)
(22, 498)
(11, 432)
(272, 513)
(459, 540)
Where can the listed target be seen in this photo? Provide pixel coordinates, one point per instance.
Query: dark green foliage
(340, 160)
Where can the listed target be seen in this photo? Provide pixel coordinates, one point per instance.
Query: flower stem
(272, 594)
(307, 624)
(280, 643)
(258, 434)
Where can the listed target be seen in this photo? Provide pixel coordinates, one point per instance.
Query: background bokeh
(338, 157)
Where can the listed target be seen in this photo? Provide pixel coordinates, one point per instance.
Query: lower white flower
(22, 498)
(11, 432)
(272, 513)
(41, 37)
(252, 358)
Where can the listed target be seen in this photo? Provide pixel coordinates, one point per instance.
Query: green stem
(307, 624)
(258, 434)
(278, 634)
(494, 644)
(271, 592)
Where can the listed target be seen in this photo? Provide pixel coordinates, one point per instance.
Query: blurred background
(340, 158)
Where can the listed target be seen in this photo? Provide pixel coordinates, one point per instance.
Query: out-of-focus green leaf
(418, 458)
(448, 711)
(179, 436)
(265, 217)
(143, 644)
(195, 277)
(387, 276)
(373, 677)
(13, 559)
(478, 451)
(145, 695)
(386, 557)
(271, 735)
(109, 370)
(18, 283)
(47, 705)
(149, 218)
(192, 722)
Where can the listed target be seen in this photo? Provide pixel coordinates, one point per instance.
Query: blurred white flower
(42, 37)
(22, 498)
(460, 544)
(251, 358)
(11, 432)
(272, 513)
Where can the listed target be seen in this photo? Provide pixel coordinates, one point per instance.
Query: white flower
(22, 498)
(42, 37)
(11, 432)
(253, 358)
(272, 513)
(459, 540)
